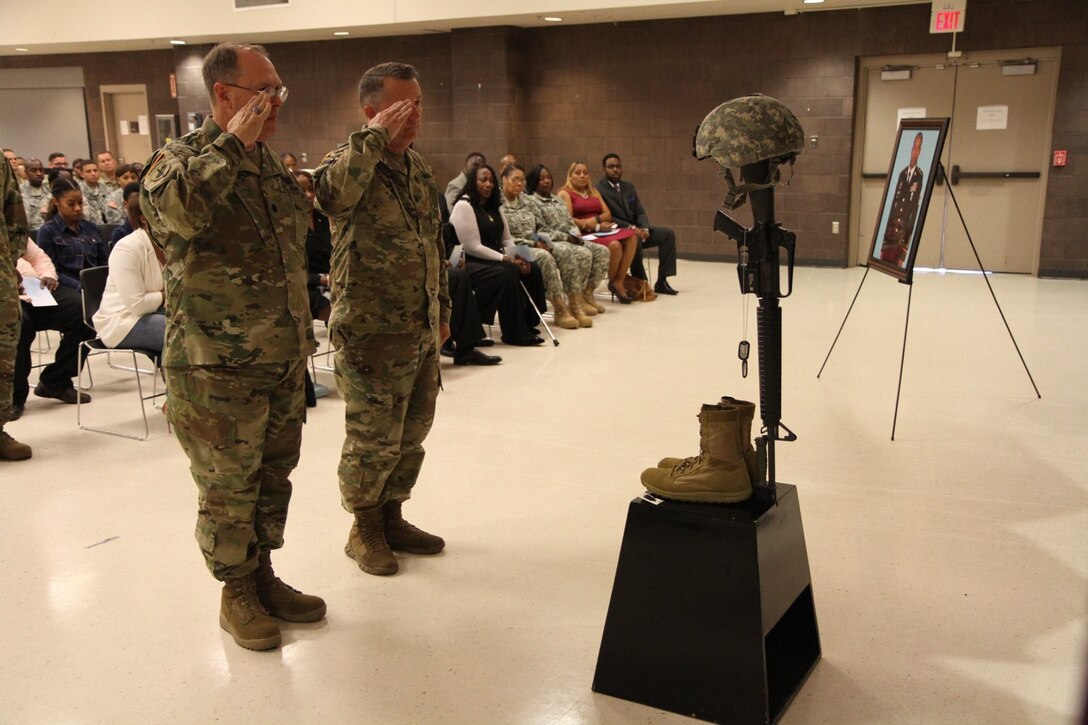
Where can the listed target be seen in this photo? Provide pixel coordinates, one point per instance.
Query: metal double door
(996, 155)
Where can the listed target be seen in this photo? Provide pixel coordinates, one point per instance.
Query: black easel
(903, 356)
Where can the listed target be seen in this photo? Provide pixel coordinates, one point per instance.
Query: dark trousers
(466, 329)
(67, 318)
(665, 240)
(498, 290)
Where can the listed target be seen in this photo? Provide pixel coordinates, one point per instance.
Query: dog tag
(742, 352)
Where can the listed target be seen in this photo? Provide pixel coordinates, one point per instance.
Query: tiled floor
(949, 566)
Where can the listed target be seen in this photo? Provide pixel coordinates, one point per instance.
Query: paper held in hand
(39, 296)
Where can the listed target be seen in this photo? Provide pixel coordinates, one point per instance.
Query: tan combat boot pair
(726, 465)
(590, 304)
(563, 317)
(250, 602)
(381, 530)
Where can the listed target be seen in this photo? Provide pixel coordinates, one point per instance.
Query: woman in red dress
(592, 216)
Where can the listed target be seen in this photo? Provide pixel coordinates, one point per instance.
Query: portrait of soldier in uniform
(908, 193)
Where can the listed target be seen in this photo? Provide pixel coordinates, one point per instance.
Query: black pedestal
(711, 613)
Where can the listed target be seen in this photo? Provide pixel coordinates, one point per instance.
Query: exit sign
(947, 16)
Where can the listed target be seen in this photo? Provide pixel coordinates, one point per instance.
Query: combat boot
(241, 614)
(578, 312)
(563, 318)
(717, 474)
(13, 450)
(367, 544)
(402, 536)
(282, 601)
(747, 411)
(591, 301)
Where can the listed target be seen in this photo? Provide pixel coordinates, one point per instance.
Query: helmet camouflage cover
(749, 129)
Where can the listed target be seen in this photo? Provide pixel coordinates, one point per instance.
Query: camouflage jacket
(35, 201)
(556, 223)
(12, 231)
(94, 202)
(523, 217)
(234, 236)
(388, 258)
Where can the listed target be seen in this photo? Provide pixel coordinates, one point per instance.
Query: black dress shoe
(528, 342)
(64, 395)
(664, 288)
(475, 357)
(16, 413)
(486, 342)
(448, 349)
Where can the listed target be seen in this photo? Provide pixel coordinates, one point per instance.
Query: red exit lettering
(948, 20)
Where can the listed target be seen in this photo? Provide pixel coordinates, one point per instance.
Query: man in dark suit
(627, 211)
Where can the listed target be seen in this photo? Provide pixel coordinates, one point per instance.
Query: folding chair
(93, 283)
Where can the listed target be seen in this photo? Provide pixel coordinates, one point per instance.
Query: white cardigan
(463, 219)
(133, 288)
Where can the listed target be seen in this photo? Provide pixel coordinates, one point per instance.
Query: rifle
(759, 270)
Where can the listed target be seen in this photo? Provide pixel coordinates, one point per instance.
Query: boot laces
(246, 590)
(685, 465)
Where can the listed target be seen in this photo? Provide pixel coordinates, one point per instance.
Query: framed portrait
(914, 167)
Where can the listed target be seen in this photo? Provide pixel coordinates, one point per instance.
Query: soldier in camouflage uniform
(36, 194)
(390, 312)
(565, 266)
(557, 225)
(12, 246)
(232, 222)
(95, 195)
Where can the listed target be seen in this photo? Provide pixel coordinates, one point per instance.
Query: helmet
(749, 129)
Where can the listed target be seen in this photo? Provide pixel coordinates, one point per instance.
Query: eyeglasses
(280, 91)
(613, 166)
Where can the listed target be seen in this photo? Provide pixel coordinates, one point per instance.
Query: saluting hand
(393, 118)
(246, 124)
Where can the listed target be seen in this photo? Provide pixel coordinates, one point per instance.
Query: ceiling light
(551, 19)
(341, 32)
(813, 2)
(177, 42)
(22, 50)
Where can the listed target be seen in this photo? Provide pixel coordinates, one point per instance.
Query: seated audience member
(36, 194)
(565, 266)
(71, 241)
(466, 328)
(20, 168)
(9, 154)
(57, 160)
(66, 317)
(453, 189)
(130, 314)
(622, 200)
(115, 203)
(290, 161)
(491, 262)
(590, 215)
(507, 161)
(95, 194)
(77, 170)
(107, 167)
(557, 225)
(318, 252)
(128, 205)
(318, 261)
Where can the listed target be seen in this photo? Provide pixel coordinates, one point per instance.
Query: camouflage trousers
(10, 316)
(389, 383)
(565, 269)
(241, 427)
(599, 271)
